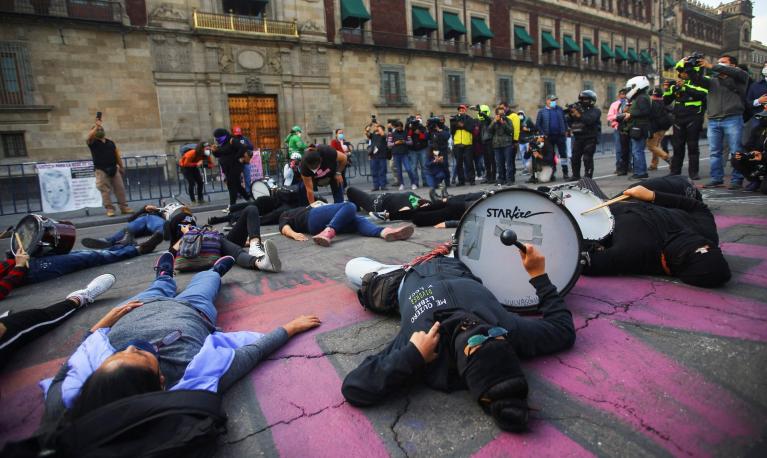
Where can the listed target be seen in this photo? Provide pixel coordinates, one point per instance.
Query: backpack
(378, 293)
(199, 250)
(158, 424)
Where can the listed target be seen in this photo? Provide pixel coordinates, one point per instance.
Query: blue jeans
(637, 153)
(504, 162)
(617, 144)
(418, 161)
(142, 226)
(728, 130)
(378, 172)
(435, 176)
(343, 218)
(199, 293)
(403, 161)
(48, 267)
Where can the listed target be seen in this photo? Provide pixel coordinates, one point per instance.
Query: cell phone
(98, 115)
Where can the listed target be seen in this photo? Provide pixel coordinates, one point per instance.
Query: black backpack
(378, 293)
(159, 424)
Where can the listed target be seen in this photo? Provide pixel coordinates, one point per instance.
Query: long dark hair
(104, 387)
(199, 151)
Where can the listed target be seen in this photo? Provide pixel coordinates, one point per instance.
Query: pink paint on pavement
(613, 371)
(723, 221)
(745, 250)
(301, 396)
(543, 441)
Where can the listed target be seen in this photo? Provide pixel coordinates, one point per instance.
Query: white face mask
(207, 152)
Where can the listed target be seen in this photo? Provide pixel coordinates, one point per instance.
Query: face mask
(100, 134)
(553, 104)
(220, 140)
(764, 72)
(341, 136)
(207, 152)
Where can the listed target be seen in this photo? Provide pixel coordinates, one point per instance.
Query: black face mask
(697, 261)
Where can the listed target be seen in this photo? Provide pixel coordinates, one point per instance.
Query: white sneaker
(95, 288)
(270, 262)
(414, 187)
(402, 187)
(256, 249)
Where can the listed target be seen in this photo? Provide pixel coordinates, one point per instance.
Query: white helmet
(636, 84)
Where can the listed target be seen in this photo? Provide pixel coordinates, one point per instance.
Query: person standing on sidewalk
(551, 121)
(108, 167)
(638, 122)
(621, 153)
(585, 124)
(461, 127)
(688, 97)
(726, 93)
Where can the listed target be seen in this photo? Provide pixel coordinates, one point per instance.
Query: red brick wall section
(330, 20)
(500, 24)
(136, 10)
(536, 34)
(389, 22)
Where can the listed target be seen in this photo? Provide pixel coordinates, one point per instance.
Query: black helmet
(588, 96)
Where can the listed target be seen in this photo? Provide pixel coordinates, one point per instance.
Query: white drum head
(596, 225)
(260, 188)
(537, 220)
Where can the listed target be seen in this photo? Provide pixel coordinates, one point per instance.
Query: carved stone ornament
(225, 60)
(275, 62)
(167, 12)
(172, 54)
(253, 85)
(250, 60)
(309, 26)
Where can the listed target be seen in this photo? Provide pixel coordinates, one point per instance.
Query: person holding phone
(108, 167)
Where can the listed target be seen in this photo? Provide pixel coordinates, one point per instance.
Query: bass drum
(537, 220)
(41, 236)
(260, 188)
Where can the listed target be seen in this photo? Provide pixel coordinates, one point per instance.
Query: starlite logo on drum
(517, 213)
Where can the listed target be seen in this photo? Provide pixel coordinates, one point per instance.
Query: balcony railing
(94, 10)
(243, 24)
(401, 41)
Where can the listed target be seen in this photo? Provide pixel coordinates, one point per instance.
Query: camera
(98, 115)
(433, 122)
(577, 106)
(693, 61)
(373, 119)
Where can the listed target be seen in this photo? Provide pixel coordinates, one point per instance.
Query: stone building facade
(167, 72)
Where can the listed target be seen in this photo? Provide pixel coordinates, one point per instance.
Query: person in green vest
(295, 142)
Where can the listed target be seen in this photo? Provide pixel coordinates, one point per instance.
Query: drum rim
(38, 237)
(264, 182)
(579, 267)
(589, 191)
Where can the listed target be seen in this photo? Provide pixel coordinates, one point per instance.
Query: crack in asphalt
(400, 413)
(616, 309)
(327, 353)
(562, 362)
(646, 426)
(708, 307)
(303, 414)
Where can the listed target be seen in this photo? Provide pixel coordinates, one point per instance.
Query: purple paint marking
(723, 221)
(530, 444)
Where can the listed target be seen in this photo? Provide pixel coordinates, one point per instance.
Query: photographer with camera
(502, 134)
(687, 96)
(584, 120)
(752, 161)
(437, 159)
(484, 142)
(637, 122)
(462, 125)
(399, 143)
(378, 152)
(419, 150)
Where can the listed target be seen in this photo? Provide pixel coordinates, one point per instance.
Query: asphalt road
(659, 368)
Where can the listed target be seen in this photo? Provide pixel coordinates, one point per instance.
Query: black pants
(583, 148)
(233, 184)
(623, 164)
(686, 133)
(269, 208)
(440, 212)
(464, 157)
(25, 326)
(490, 165)
(361, 199)
(248, 226)
(560, 143)
(193, 180)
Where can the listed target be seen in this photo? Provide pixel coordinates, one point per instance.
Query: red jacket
(10, 276)
(188, 160)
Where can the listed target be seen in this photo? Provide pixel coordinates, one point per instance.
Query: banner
(256, 166)
(67, 186)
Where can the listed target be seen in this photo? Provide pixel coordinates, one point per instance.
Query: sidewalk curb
(105, 220)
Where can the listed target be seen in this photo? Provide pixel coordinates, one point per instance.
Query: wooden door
(258, 117)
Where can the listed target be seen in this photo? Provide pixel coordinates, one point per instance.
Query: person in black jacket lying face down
(454, 335)
(669, 231)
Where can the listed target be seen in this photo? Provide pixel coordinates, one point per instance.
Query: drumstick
(604, 204)
(19, 245)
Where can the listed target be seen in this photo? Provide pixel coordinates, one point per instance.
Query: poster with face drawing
(67, 186)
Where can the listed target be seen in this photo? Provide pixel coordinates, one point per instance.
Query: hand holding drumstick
(22, 258)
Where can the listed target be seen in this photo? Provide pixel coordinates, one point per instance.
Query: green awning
(589, 49)
(607, 53)
(548, 42)
(353, 13)
(571, 45)
(633, 56)
(452, 25)
(645, 58)
(620, 54)
(668, 61)
(521, 37)
(423, 23)
(479, 30)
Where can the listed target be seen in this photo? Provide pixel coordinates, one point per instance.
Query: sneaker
(148, 245)
(391, 234)
(126, 210)
(256, 249)
(414, 187)
(96, 244)
(401, 187)
(735, 186)
(95, 288)
(110, 212)
(223, 265)
(383, 216)
(164, 265)
(714, 184)
(752, 186)
(325, 237)
(270, 262)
